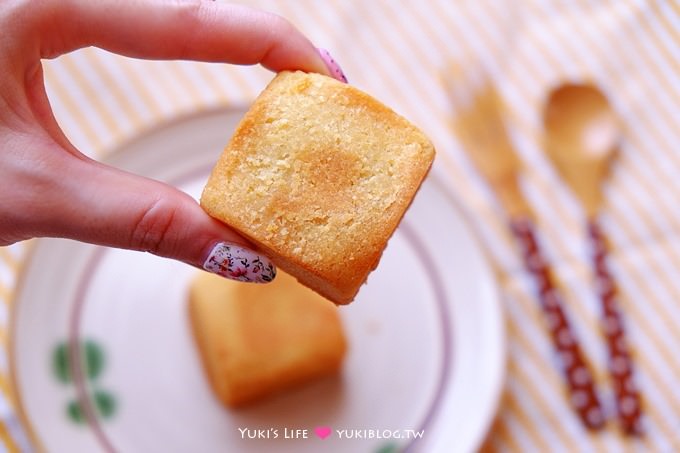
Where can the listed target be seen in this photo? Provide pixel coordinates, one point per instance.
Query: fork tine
(477, 122)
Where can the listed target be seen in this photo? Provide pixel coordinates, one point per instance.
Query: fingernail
(238, 263)
(332, 65)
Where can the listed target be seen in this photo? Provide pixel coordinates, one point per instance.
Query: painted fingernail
(238, 263)
(332, 65)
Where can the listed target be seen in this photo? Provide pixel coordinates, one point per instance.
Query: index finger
(188, 29)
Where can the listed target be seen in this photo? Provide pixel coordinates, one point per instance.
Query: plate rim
(436, 175)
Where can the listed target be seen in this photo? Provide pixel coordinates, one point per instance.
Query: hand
(51, 189)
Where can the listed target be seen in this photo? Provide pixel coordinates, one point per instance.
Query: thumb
(103, 205)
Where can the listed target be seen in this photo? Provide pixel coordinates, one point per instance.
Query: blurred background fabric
(398, 51)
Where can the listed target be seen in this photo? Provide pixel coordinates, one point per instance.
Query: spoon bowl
(582, 136)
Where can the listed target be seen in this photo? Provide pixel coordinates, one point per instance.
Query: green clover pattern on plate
(93, 361)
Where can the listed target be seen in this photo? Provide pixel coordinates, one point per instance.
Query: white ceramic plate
(424, 370)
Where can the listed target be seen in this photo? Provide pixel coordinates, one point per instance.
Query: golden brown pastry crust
(318, 174)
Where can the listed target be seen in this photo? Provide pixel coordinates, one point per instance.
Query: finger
(102, 205)
(190, 29)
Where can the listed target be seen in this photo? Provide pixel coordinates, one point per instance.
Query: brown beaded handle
(628, 401)
(577, 374)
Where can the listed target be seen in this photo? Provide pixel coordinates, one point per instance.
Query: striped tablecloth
(397, 50)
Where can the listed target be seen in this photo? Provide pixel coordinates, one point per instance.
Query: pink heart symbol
(322, 431)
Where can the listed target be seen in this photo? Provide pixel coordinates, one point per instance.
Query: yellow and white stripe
(397, 51)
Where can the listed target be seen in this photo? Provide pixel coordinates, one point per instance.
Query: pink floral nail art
(238, 263)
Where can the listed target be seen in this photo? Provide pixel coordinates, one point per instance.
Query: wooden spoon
(582, 135)
(479, 125)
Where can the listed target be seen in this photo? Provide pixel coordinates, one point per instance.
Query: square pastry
(259, 340)
(318, 175)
